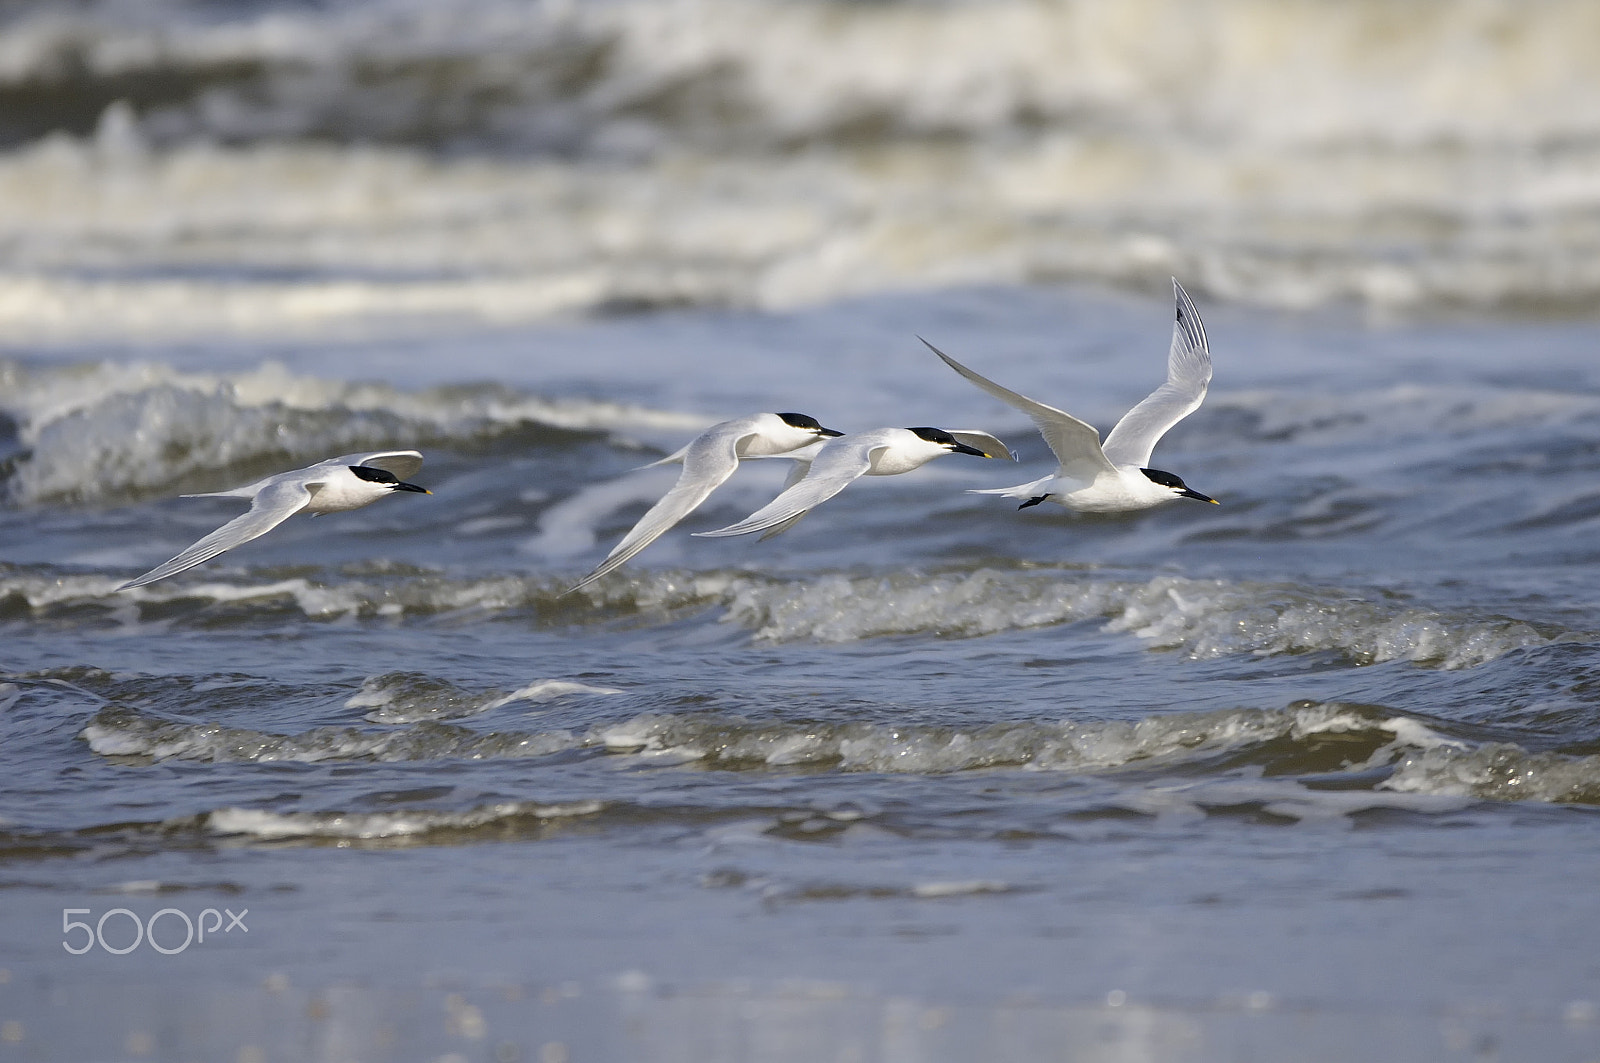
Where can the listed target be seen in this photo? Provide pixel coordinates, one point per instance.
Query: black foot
(1033, 501)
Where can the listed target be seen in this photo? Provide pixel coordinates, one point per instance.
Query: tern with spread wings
(707, 461)
(347, 482)
(1113, 477)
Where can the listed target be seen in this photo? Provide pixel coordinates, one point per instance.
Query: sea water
(1312, 774)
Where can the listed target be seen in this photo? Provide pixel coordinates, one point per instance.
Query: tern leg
(1034, 501)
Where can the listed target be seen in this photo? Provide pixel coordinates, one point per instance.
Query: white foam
(1497, 771)
(1204, 618)
(258, 823)
(1430, 772)
(966, 888)
(1201, 618)
(1005, 142)
(123, 732)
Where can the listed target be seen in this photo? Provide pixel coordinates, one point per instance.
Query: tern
(839, 462)
(707, 461)
(347, 482)
(1113, 477)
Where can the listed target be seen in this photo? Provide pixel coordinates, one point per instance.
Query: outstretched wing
(1075, 443)
(707, 462)
(1188, 376)
(403, 463)
(273, 505)
(835, 467)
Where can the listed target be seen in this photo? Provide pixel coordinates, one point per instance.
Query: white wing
(273, 505)
(403, 463)
(802, 459)
(1075, 443)
(834, 468)
(1188, 376)
(707, 462)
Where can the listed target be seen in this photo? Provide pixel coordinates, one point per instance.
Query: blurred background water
(1310, 775)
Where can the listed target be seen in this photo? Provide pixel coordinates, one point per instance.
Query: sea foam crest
(736, 742)
(1205, 618)
(117, 731)
(1265, 750)
(1499, 771)
(616, 77)
(370, 826)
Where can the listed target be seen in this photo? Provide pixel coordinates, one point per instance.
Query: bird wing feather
(403, 463)
(835, 467)
(1188, 376)
(707, 461)
(273, 505)
(1075, 443)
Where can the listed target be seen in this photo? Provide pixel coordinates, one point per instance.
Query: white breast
(1127, 489)
(340, 489)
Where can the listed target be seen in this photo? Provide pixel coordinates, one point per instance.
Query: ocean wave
(288, 179)
(622, 77)
(1499, 771)
(102, 431)
(1202, 618)
(1207, 760)
(1399, 412)
(117, 731)
(1305, 737)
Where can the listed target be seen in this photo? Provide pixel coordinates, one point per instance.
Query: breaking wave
(106, 430)
(1393, 761)
(274, 169)
(1201, 618)
(621, 78)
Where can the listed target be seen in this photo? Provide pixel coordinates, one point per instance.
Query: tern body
(840, 462)
(347, 482)
(1113, 477)
(707, 461)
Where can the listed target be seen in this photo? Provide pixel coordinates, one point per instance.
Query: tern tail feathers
(1027, 490)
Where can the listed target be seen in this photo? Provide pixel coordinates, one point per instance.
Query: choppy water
(1314, 774)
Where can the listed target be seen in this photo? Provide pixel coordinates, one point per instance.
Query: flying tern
(839, 462)
(347, 482)
(707, 461)
(1113, 477)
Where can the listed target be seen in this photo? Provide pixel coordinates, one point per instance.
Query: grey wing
(272, 506)
(403, 463)
(802, 466)
(1188, 376)
(707, 462)
(1075, 443)
(834, 469)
